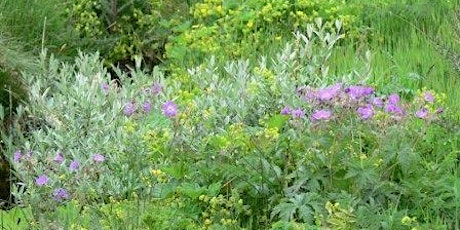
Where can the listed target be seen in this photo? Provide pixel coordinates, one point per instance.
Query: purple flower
(393, 99)
(105, 87)
(98, 158)
(129, 108)
(321, 115)
(59, 158)
(422, 113)
(169, 109)
(60, 194)
(440, 110)
(328, 93)
(377, 101)
(297, 113)
(356, 92)
(74, 165)
(392, 108)
(307, 93)
(147, 106)
(17, 156)
(156, 88)
(42, 180)
(286, 110)
(366, 112)
(429, 97)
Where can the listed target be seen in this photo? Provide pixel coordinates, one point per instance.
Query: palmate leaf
(297, 206)
(285, 211)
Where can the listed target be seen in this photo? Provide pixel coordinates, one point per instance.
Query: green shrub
(122, 30)
(230, 29)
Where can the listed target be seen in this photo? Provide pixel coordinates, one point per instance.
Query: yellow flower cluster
(274, 10)
(160, 175)
(157, 140)
(86, 19)
(221, 209)
(269, 133)
(207, 8)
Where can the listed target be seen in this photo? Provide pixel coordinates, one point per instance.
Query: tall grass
(36, 23)
(408, 41)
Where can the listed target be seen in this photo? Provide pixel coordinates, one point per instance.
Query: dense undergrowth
(231, 114)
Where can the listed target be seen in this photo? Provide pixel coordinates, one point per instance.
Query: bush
(122, 30)
(241, 145)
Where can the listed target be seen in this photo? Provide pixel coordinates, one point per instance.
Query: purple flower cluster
(366, 112)
(357, 92)
(61, 194)
(322, 114)
(358, 97)
(392, 105)
(19, 156)
(299, 113)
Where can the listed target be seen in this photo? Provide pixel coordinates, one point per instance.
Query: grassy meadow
(229, 114)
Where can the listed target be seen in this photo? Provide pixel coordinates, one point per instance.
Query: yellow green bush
(122, 29)
(236, 30)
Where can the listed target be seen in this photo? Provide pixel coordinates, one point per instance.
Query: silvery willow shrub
(82, 143)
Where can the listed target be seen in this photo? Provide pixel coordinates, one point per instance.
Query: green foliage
(125, 29)
(240, 30)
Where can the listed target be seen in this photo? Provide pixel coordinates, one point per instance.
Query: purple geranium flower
(358, 91)
(42, 180)
(393, 99)
(147, 106)
(59, 158)
(169, 109)
(297, 113)
(321, 115)
(156, 88)
(105, 87)
(74, 165)
(366, 112)
(328, 93)
(129, 108)
(286, 110)
(429, 97)
(422, 113)
(98, 158)
(392, 108)
(60, 194)
(440, 110)
(17, 156)
(377, 101)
